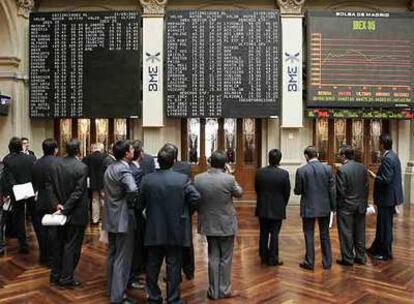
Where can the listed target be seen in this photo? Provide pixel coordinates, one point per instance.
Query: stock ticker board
(85, 64)
(360, 59)
(222, 63)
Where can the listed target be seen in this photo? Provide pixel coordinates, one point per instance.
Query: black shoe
(305, 266)
(189, 276)
(71, 284)
(53, 282)
(379, 257)
(278, 263)
(327, 267)
(359, 261)
(344, 263)
(2, 252)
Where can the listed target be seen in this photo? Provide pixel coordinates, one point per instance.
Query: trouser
(139, 259)
(351, 231)
(121, 248)
(188, 256)
(156, 255)
(382, 244)
(43, 236)
(3, 216)
(97, 203)
(19, 223)
(269, 240)
(220, 256)
(67, 246)
(308, 230)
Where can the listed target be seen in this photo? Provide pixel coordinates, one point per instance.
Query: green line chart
(360, 62)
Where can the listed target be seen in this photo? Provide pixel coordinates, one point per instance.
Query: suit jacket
(96, 163)
(352, 187)
(316, 185)
(17, 170)
(167, 197)
(272, 187)
(183, 167)
(217, 214)
(67, 186)
(1, 180)
(147, 164)
(137, 174)
(388, 190)
(40, 175)
(120, 192)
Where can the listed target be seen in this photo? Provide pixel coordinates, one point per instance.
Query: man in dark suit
(167, 197)
(119, 220)
(43, 204)
(140, 254)
(26, 147)
(147, 162)
(352, 202)
(18, 170)
(272, 187)
(68, 191)
(388, 194)
(188, 262)
(96, 162)
(316, 185)
(3, 213)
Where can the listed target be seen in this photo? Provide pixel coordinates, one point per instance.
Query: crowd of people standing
(145, 208)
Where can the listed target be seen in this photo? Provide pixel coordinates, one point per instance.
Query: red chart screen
(360, 59)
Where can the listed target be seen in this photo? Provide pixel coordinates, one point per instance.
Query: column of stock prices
(222, 63)
(360, 59)
(85, 64)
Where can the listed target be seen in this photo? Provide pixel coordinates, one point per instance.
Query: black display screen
(223, 63)
(360, 59)
(85, 64)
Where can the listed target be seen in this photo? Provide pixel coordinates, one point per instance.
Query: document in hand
(54, 220)
(331, 219)
(7, 204)
(23, 191)
(370, 210)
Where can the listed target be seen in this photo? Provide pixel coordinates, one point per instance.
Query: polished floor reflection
(22, 280)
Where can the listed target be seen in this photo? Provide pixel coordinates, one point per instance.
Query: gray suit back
(352, 187)
(316, 185)
(217, 214)
(119, 184)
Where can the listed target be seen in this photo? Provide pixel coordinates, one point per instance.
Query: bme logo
(292, 71)
(153, 75)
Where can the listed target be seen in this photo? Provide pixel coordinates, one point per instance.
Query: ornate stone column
(153, 74)
(295, 133)
(25, 7)
(291, 7)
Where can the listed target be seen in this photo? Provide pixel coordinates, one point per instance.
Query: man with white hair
(96, 162)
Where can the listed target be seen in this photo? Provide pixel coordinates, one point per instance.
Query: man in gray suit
(352, 201)
(316, 184)
(217, 220)
(119, 220)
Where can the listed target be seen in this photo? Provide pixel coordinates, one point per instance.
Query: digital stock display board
(360, 59)
(85, 64)
(223, 63)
